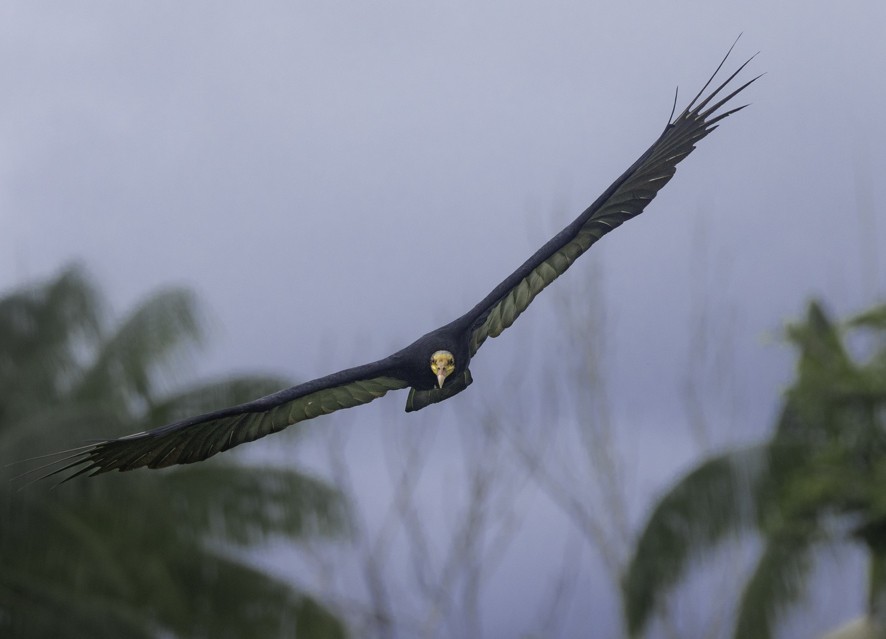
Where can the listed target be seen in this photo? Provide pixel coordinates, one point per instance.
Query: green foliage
(825, 462)
(141, 554)
(779, 579)
(675, 529)
(126, 362)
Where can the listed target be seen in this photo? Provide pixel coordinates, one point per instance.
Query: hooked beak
(442, 365)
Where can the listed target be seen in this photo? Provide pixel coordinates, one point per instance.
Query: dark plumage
(452, 346)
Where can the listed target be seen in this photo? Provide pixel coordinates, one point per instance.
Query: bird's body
(434, 367)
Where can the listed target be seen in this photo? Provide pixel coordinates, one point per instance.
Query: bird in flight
(435, 366)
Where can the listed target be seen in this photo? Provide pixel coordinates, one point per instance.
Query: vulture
(436, 366)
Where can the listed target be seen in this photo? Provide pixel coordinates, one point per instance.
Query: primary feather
(625, 198)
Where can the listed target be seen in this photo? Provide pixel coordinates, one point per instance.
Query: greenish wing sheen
(200, 437)
(624, 199)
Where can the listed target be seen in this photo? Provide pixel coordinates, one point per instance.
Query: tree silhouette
(141, 555)
(817, 481)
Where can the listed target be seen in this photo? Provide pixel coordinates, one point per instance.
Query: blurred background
(202, 203)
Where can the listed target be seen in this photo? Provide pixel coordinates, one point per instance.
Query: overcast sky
(335, 179)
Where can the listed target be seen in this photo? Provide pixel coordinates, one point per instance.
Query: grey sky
(335, 179)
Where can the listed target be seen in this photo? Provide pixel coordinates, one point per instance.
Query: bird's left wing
(624, 199)
(197, 438)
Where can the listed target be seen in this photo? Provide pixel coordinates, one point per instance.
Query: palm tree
(817, 481)
(142, 555)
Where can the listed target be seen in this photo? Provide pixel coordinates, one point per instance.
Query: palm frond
(130, 558)
(874, 318)
(714, 501)
(257, 502)
(36, 606)
(272, 609)
(779, 580)
(43, 329)
(128, 362)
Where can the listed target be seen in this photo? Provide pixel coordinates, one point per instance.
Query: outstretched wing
(197, 438)
(624, 199)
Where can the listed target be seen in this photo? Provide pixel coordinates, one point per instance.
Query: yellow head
(442, 365)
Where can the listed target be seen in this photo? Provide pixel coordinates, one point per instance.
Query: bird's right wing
(624, 199)
(197, 438)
